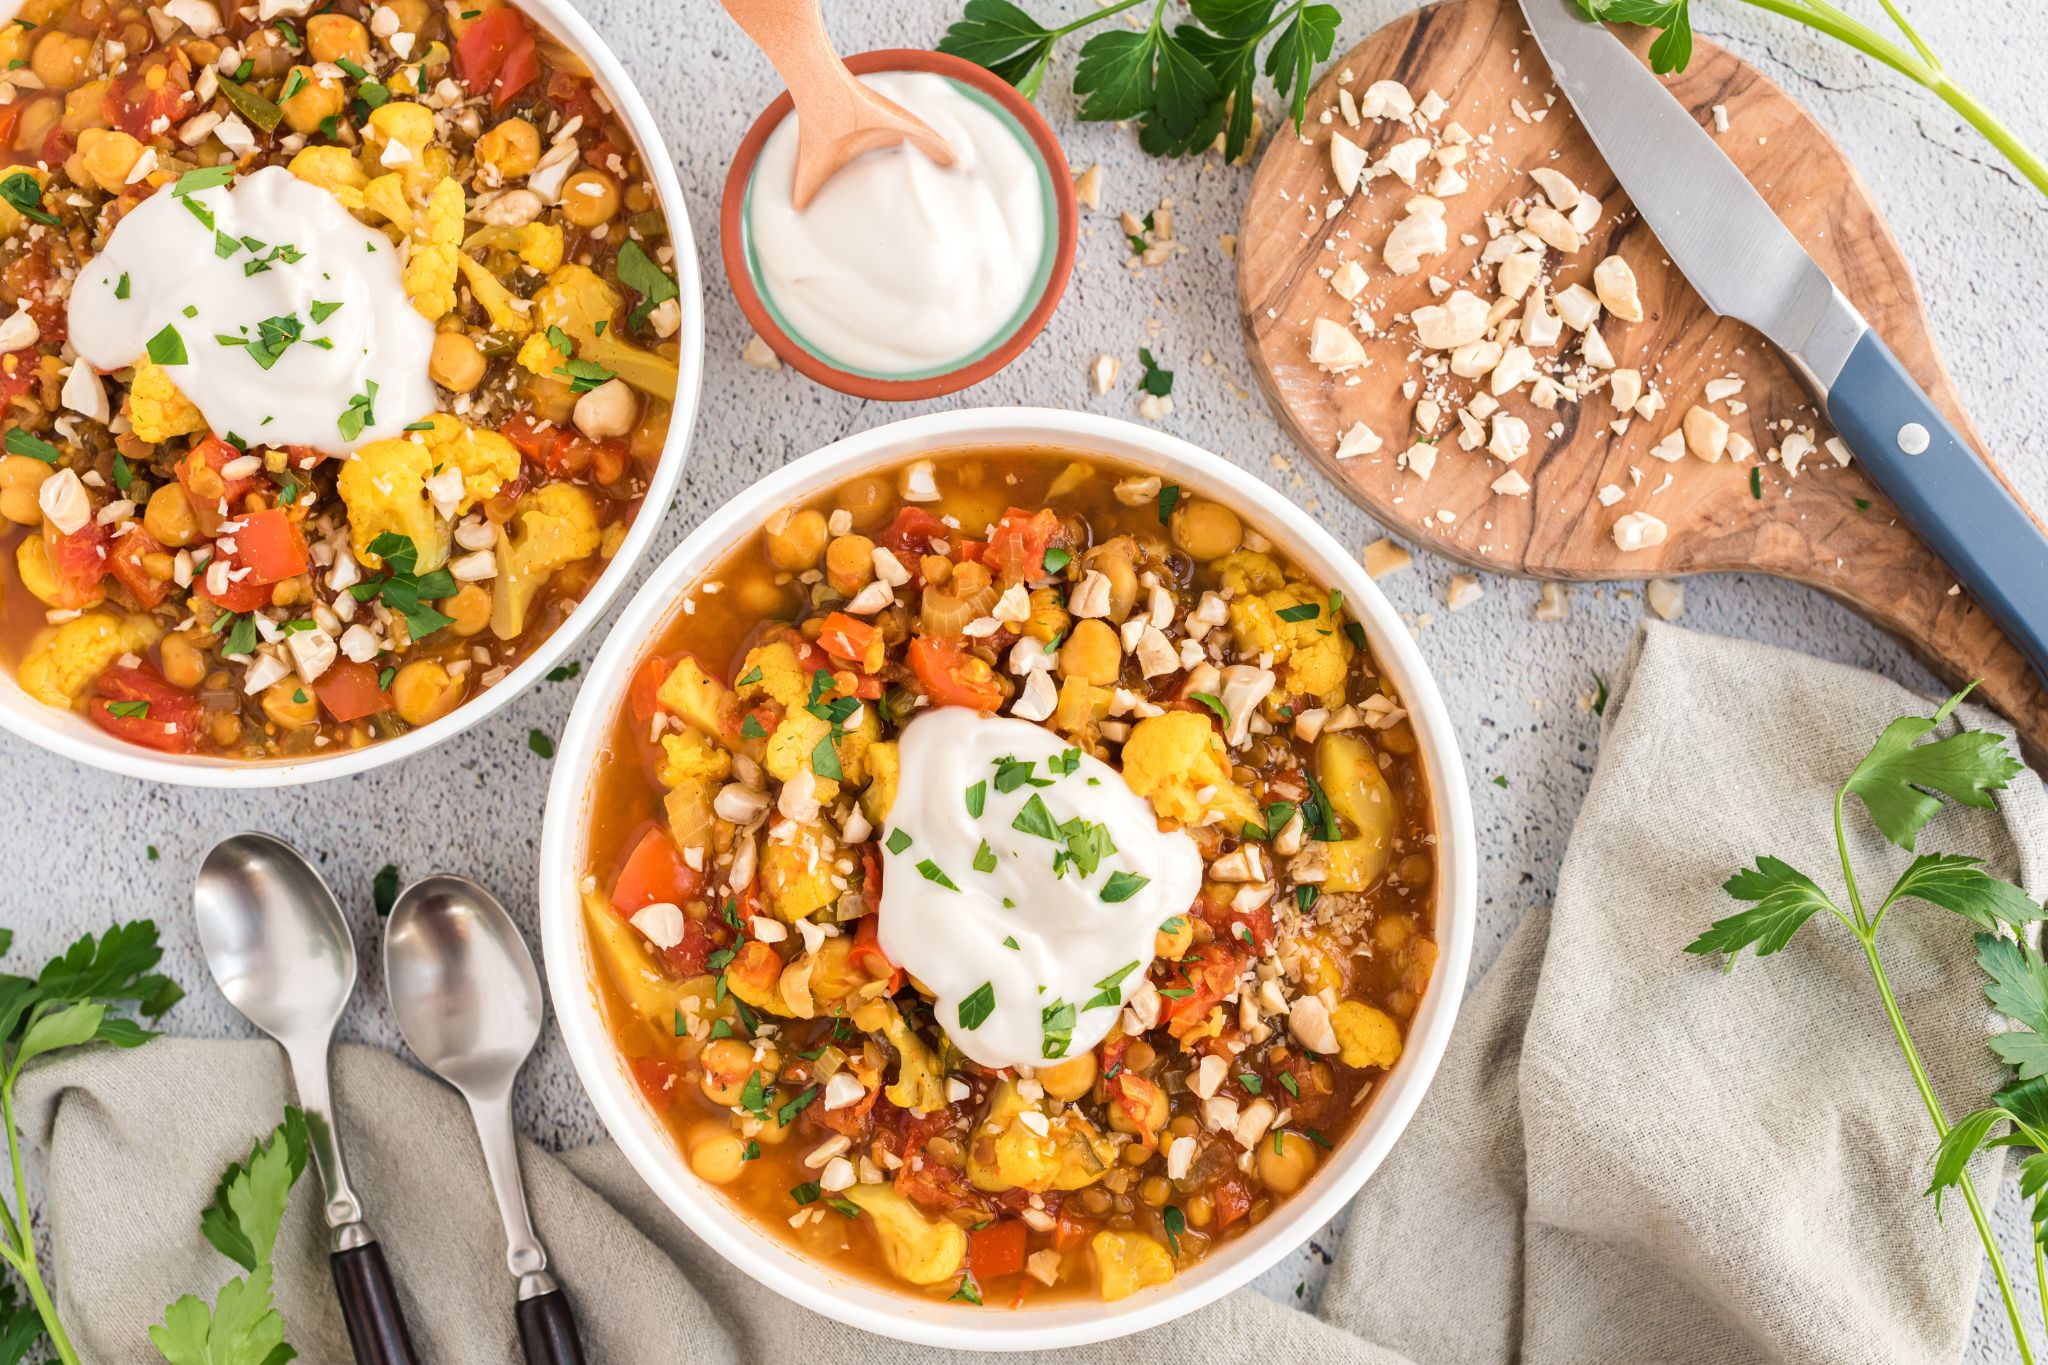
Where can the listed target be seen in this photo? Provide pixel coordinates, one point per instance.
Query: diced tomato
(349, 690)
(854, 1120)
(572, 95)
(687, 958)
(654, 873)
(816, 660)
(210, 493)
(867, 953)
(151, 713)
(997, 1250)
(565, 452)
(849, 638)
(1244, 928)
(78, 559)
(17, 368)
(953, 677)
(658, 1080)
(270, 546)
(158, 90)
(497, 51)
(1016, 548)
(124, 561)
(909, 537)
(1206, 975)
(641, 697)
(10, 114)
(1068, 1232)
(1233, 1201)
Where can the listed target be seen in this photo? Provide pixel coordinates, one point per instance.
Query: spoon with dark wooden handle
(275, 940)
(468, 1003)
(838, 116)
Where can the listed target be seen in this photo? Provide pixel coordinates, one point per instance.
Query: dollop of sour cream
(1033, 920)
(899, 265)
(281, 317)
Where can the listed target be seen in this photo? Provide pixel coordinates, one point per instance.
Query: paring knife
(1746, 265)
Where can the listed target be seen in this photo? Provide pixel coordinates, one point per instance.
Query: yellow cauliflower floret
(1006, 1154)
(437, 238)
(487, 460)
(156, 409)
(1248, 571)
(687, 755)
(384, 486)
(798, 873)
(1126, 1262)
(1365, 1036)
(538, 354)
(696, 696)
(576, 299)
(791, 746)
(491, 292)
(884, 772)
(1313, 652)
(333, 169)
(916, 1249)
(1170, 758)
(386, 196)
(552, 527)
(782, 676)
(403, 122)
(57, 671)
(538, 245)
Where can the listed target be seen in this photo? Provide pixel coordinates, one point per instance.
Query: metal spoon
(468, 1003)
(276, 942)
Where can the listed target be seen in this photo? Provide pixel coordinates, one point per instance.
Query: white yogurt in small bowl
(904, 279)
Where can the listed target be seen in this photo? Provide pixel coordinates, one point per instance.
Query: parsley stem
(25, 1264)
(2041, 1281)
(1920, 66)
(1099, 15)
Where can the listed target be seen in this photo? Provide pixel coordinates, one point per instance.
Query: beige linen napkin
(1628, 1155)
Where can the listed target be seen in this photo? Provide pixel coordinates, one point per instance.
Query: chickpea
(470, 609)
(1398, 738)
(1150, 1098)
(850, 564)
(159, 566)
(423, 692)
(590, 198)
(169, 518)
(607, 411)
(60, 58)
(1200, 1210)
(727, 1063)
(337, 38)
(104, 157)
(511, 148)
(412, 14)
(85, 107)
(1114, 560)
(225, 727)
(760, 598)
(1393, 932)
(290, 704)
(1092, 654)
(1206, 530)
(184, 666)
(33, 127)
(1286, 1160)
(1416, 870)
(799, 542)
(455, 362)
(716, 1154)
(869, 501)
(313, 100)
(21, 479)
(1070, 1079)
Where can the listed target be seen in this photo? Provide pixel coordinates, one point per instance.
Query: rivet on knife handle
(1997, 552)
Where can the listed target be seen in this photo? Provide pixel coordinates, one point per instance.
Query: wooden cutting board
(1827, 527)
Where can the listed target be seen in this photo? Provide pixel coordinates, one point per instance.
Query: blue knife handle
(1950, 497)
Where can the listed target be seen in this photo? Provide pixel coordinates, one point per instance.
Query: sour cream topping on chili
(1023, 882)
(898, 264)
(281, 317)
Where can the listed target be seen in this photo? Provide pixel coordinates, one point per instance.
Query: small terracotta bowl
(993, 356)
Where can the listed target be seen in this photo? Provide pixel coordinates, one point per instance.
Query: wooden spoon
(838, 116)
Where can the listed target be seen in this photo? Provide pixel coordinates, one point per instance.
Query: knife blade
(1747, 265)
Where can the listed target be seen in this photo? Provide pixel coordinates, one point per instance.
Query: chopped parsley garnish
(968, 1292)
(1174, 1222)
(1155, 381)
(1056, 1021)
(384, 890)
(929, 870)
(1013, 773)
(977, 799)
(1214, 703)
(1305, 897)
(752, 675)
(788, 1112)
(1289, 1084)
(979, 1004)
(293, 83)
(638, 272)
(984, 858)
(1121, 886)
(360, 413)
(825, 760)
(1303, 611)
(750, 728)
(1168, 496)
(540, 744)
(806, 1193)
(23, 442)
(241, 637)
(124, 477)
(1034, 818)
(1250, 1081)
(25, 193)
(403, 590)
(320, 312)
(1057, 559)
(121, 286)
(203, 178)
(128, 710)
(1011, 943)
(898, 841)
(1110, 990)
(567, 671)
(167, 347)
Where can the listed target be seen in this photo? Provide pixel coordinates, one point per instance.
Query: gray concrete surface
(74, 849)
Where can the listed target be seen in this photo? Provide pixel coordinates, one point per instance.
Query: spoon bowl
(274, 938)
(462, 984)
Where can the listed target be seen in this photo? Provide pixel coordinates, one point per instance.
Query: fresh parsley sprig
(1184, 86)
(1913, 59)
(243, 1326)
(77, 998)
(1903, 783)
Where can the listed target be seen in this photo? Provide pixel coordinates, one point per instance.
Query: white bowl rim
(71, 736)
(810, 1283)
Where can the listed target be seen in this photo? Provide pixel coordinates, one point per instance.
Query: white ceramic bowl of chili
(813, 1284)
(70, 734)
